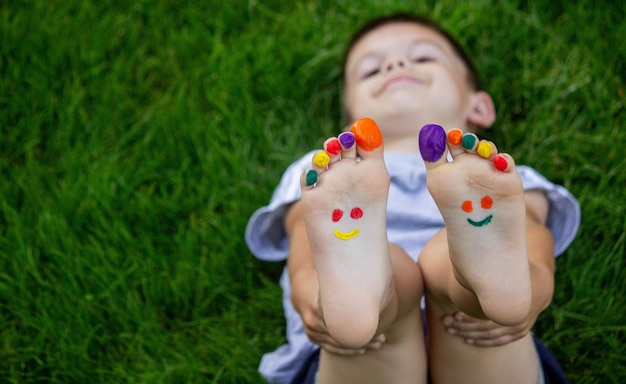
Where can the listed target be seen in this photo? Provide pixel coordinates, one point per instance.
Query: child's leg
(480, 262)
(515, 362)
(366, 285)
(403, 356)
(485, 216)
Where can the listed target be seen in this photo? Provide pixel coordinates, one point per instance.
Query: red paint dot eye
(467, 206)
(356, 213)
(337, 214)
(486, 202)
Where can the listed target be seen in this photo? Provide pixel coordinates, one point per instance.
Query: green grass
(138, 137)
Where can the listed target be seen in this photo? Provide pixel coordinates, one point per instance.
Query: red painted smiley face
(485, 203)
(356, 213)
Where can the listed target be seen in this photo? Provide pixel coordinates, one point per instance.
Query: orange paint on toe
(367, 134)
(455, 136)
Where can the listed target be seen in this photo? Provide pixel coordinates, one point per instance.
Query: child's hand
(483, 333)
(317, 334)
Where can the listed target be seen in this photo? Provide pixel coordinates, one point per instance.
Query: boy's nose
(395, 63)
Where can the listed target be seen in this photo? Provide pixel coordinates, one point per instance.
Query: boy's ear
(483, 112)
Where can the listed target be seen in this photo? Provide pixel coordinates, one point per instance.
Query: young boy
(352, 221)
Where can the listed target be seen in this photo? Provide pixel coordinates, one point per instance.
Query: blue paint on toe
(432, 142)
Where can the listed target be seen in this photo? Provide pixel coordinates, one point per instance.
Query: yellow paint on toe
(321, 159)
(485, 149)
(347, 235)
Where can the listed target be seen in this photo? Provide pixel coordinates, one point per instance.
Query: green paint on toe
(469, 142)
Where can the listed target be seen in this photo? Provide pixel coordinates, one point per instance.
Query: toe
(470, 142)
(432, 144)
(455, 140)
(308, 179)
(368, 138)
(333, 148)
(486, 149)
(320, 160)
(504, 162)
(348, 147)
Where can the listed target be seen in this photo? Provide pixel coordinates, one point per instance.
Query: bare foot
(344, 203)
(481, 199)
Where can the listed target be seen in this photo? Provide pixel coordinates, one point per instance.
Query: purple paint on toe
(432, 142)
(347, 140)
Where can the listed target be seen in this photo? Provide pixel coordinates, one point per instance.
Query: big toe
(432, 145)
(369, 139)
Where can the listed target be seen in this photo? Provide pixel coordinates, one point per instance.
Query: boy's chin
(411, 114)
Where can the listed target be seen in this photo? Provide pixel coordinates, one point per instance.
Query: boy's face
(406, 72)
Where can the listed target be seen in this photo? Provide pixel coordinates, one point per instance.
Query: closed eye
(423, 59)
(371, 73)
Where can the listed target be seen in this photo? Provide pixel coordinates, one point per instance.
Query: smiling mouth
(481, 223)
(404, 79)
(346, 235)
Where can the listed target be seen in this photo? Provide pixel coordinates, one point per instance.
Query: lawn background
(139, 136)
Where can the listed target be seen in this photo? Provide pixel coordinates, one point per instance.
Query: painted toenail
(321, 159)
(333, 147)
(500, 162)
(469, 141)
(367, 134)
(432, 142)
(455, 136)
(484, 149)
(347, 140)
(311, 177)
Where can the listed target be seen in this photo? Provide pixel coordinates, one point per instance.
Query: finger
(381, 338)
(321, 338)
(496, 342)
(342, 351)
(375, 345)
(485, 326)
(318, 335)
(463, 317)
(491, 334)
(458, 318)
(468, 325)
